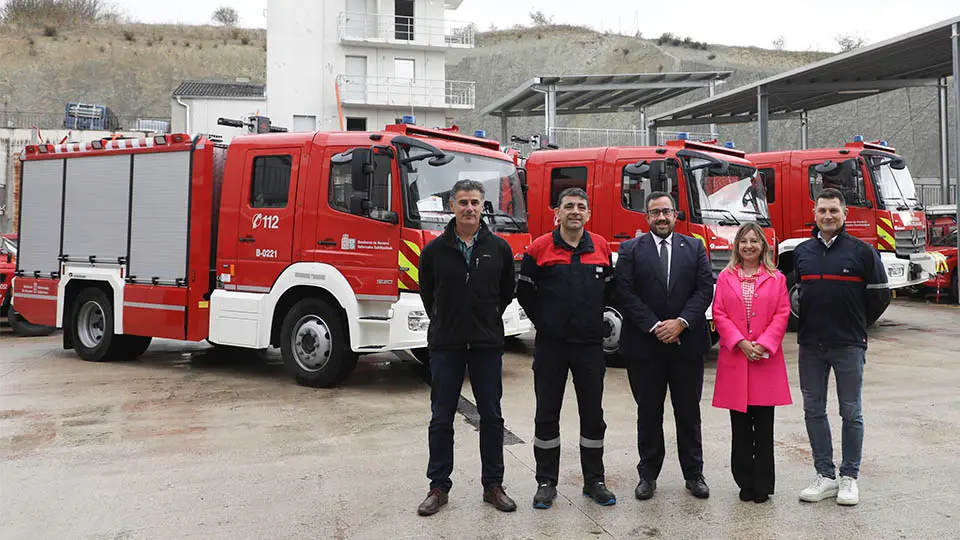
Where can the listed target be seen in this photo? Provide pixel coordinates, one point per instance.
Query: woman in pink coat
(751, 309)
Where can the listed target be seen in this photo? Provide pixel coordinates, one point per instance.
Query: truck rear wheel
(24, 327)
(794, 295)
(134, 346)
(92, 328)
(314, 345)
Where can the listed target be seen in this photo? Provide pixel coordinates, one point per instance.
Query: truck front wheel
(612, 327)
(314, 345)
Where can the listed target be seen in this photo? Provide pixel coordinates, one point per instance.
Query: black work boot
(546, 493)
(698, 486)
(645, 489)
(600, 494)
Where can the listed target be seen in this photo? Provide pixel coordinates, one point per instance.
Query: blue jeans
(847, 363)
(447, 368)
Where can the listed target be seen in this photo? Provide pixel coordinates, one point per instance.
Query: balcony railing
(27, 120)
(401, 30)
(401, 92)
(588, 137)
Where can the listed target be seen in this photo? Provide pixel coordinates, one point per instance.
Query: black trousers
(552, 361)
(649, 379)
(751, 454)
(447, 368)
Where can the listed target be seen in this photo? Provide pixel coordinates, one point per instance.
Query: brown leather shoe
(499, 499)
(435, 499)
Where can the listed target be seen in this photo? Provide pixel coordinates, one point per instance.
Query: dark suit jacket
(644, 298)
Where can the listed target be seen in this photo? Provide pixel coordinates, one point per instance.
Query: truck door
(848, 176)
(361, 240)
(562, 176)
(630, 213)
(267, 217)
(770, 175)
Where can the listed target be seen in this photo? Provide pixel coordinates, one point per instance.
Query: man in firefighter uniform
(565, 278)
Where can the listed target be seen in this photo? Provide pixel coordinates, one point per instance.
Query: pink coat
(740, 382)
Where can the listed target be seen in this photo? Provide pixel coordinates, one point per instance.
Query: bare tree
(56, 12)
(539, 18)
(849, 42)
(226, 16)
(779, 43)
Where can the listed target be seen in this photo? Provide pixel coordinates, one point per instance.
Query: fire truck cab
(883, 209)
(715, 189)
(307, 242)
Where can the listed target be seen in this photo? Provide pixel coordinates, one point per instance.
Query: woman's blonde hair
(766, 253)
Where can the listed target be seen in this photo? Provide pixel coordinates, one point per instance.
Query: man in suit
(664, 286)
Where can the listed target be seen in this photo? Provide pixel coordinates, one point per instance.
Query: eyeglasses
(657, 212)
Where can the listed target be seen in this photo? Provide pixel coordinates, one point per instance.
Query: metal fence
(930, 194)
(28, 120)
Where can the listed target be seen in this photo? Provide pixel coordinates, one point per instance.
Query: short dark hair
(573, 192)
(831, 193)
(659, 195)
(468, 185)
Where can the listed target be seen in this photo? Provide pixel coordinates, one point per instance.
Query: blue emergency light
(884, 143)
(683, 136)
(480, 133)
(408, 119)
(858, 138)
(729, 144)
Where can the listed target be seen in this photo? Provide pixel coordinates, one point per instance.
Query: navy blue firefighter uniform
(564, 290)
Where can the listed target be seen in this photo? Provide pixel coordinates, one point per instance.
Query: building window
(356, 124)
(403, 20)
(270, 186)
(404, 69)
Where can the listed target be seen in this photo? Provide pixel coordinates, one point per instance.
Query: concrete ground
(181, 444)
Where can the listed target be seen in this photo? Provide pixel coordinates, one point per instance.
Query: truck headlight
(417, 321)
(523, 314)
(895, 271)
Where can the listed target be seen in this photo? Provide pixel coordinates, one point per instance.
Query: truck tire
(134, 346)
(794, 295)
(91, 328)
(24, 327)
(954, 291)
(613, 325)
(314, 345)
(422, 355)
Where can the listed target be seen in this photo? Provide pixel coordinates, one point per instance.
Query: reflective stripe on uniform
(877, 286)
(552, 443)
(591, 443)
(528, 279)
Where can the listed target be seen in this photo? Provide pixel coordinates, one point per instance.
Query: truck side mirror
(868, 204)
(898, 164)
(638, 169)
(362, 169)
(827, 167)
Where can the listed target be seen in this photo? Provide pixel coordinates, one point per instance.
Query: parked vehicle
(944, 250)
(308, 242)
(881, 200)
(715, 187)
(8, 265)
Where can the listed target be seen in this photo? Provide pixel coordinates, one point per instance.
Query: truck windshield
(428, 191)
(738, 193)
(896, 187)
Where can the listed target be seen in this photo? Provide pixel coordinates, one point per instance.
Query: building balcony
(405, 32)
(406, 93)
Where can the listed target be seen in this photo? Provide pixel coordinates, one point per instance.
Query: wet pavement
(187, 444)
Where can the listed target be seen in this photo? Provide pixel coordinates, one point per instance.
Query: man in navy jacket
(664, 286)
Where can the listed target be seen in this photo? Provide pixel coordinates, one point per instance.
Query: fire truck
(306, 242)
(883, 209)
(715, 187)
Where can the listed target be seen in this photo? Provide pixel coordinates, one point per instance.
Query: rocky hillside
(134, 69)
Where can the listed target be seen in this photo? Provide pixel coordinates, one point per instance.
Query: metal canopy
(919, 58)
(591, 94)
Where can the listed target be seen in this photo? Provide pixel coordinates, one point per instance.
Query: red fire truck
(308, 242)
(880, 195)
(715, 187)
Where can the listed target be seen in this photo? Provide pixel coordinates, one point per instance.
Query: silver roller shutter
(40, 205)
(158, 233)
(96, 213)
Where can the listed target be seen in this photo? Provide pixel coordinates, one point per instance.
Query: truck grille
(719, 258)
(910, 241)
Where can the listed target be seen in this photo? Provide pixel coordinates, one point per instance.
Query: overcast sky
(730, 22)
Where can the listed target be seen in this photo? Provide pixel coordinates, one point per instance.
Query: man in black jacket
(466, 283)
(842, 286)
(564, 278)
(664, 285)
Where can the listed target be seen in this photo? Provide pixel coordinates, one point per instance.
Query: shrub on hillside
(56, 12)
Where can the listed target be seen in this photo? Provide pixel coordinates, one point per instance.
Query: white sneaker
(821, 488)
(849, 494)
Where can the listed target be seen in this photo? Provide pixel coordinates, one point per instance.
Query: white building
(361, 64)
(196, 105)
